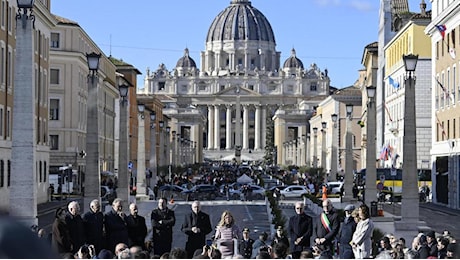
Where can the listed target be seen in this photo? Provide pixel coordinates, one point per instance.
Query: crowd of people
(116, 235)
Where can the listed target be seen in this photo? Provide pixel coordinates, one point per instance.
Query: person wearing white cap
(345, 235)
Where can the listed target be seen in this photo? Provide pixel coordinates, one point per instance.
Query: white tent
(244, 179)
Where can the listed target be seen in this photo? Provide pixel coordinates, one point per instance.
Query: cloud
(328, 2)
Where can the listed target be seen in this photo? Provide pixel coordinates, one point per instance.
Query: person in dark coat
(137, 229)
(346, 234)
(280, 237)
(432, 243)
(423, 251)
(75, 225)
(300, 230)
(93, 221)
(163, 220)
(327, 227)
(196, 226)
(246, 244)
(60, 239)
(116, 227)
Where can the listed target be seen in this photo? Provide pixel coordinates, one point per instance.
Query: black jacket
(321, 232)
(347, 229)
(76, 231)
(245, 248)
(300, 225)
(137, 230)
(162, 232)
(61, 241)
(116, 229)
(94, 229)
(196, 240)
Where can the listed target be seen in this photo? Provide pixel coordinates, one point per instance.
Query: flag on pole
(442, 29)
(446, 91)
(394, 83)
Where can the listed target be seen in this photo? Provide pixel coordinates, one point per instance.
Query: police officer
(246, 244)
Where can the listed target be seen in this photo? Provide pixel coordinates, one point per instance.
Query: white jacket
(362, 238)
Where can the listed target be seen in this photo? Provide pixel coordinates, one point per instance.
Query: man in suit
(163, 220)
(196, 226)
(93, 221)
(75, 225)
(116, 226)
(327, 227)
(300, 230)
(137, 229)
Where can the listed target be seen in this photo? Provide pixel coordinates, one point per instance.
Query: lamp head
(315, 130)
(93, 61)
(168, 129)
(153, 115)
(123, 90)
(324, 125)
(371, 91)
(161, 124)
(25, 3)
(140, 108)
(410, 62)
(334, 118)
(349, 109)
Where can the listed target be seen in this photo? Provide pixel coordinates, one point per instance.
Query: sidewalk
(51, 206)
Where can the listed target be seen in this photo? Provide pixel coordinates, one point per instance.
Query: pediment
(232, 91)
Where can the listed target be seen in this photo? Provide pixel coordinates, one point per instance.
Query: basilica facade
(240, 87)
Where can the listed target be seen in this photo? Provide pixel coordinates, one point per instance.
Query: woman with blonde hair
(361, 241)
(227, 235)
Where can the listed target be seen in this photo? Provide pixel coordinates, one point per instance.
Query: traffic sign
(380, 186)
(393, 171)
(130, 165)
(382, 178)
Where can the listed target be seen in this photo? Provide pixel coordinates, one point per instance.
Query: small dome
(240, 21)
(293, 61)
(186, 61)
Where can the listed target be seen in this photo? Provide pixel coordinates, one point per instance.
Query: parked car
(294, 191)
(170, 190)
(257, 192)
(335, 187)
(201, 192)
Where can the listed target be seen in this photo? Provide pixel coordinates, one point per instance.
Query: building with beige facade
(445, 103)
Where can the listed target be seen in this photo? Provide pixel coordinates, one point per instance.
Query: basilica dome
(293, 61)
(186, 61)
(240, 21)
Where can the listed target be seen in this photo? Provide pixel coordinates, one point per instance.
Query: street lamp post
(153, 149)
(161, 157)
(348, 183)
(173, 148)
(315, 149)
(371, 172)
(323, 145)
(141, 185)
(92, 182)
(410, 200)
(23, 191)
(123, 153)
(334, 171)
(168, 152)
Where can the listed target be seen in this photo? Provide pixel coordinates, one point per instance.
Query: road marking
(249, 213)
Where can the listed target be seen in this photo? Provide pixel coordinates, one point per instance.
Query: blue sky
(145, 33)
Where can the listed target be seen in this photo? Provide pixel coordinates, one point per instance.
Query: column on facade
(231, 61)
(210, 127)
(217, 61)
(262, 59)
(257, 128)
(246, 60)
(228, 128)
(216, 127)
(245, 126)
(264, 127)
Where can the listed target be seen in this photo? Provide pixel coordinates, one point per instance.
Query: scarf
(325, 222)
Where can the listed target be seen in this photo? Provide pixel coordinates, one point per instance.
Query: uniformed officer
(246, 244)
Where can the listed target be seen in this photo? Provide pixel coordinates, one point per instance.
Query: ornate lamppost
(371, 171)
(323, 145)
(123, 153)
(315, 147)
(153, 149)
(348, 183)
(410, 199)
(92, 189)
(141, 181)
(334, 170)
